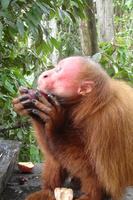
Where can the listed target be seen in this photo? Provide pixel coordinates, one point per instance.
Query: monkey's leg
(90, 188)
(41, 195)
(52, 178)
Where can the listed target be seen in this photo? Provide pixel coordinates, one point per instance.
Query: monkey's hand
(44, 111)
(50, 113)
(22, 104)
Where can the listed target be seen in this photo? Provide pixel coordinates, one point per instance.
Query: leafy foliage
(26, 44)
(116, 56)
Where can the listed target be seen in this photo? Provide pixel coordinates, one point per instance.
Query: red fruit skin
(25, 169)
(32, 94)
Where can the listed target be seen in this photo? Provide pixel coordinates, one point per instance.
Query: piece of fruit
(25, 166)
(63, 194)
(33, 94)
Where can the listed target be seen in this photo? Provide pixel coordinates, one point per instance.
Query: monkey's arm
(46, 117)
(58, 142)
(42, 113)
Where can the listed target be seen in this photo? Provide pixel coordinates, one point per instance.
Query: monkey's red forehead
(70, 66)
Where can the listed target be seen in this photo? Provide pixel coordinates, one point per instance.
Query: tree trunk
(105, 19)
(88, 33)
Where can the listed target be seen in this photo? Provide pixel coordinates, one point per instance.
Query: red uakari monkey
(84, 126)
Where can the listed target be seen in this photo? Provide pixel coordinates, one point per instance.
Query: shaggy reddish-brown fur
(95, 143)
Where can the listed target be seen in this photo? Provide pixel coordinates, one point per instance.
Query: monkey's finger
(54, 102)
(42, 107)
(53, 99)
(24, 112)
(23, 105)
(51, 102)
(43, 99)
(20, 98)
(18, 107)
(23, 90)
(40, 114)
(28, 104)
(50, 111)
(15, 100)
(56, 105)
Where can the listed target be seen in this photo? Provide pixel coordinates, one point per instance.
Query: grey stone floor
(8, 154)
(20, 184)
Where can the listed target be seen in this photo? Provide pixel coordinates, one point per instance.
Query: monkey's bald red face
(63, 80)
(67, 79)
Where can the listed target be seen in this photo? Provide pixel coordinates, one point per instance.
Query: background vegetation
(28, 45)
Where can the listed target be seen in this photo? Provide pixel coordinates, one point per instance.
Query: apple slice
(25, 166)
(63, 194)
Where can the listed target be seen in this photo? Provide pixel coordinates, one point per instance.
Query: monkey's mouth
(64, 101)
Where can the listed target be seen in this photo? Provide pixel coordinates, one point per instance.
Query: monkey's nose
(45, 76)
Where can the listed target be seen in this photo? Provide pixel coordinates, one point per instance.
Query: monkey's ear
(85, 87)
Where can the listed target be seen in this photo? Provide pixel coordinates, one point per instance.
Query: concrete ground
(21, 184)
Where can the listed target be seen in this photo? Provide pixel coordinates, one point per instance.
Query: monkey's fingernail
(29, 111)
(23, 98)
(23, 89)
(34, 101)
(38, 94)
(51, 96)
(35, 111)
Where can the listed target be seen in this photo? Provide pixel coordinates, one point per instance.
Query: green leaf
(72, 16)
(3, 97)
(19, 135)
(6, 14)
(20, 27)
(5, 4)
(11, 24)
(44, 47)
(9, 87)
(67, 14)
(35, 15)
(55, 42)
(45, 9)
(33, 19)
(73, 3)
(61, 14)
(97, 57)
(115, 69)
